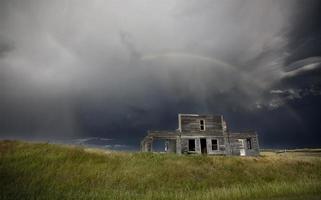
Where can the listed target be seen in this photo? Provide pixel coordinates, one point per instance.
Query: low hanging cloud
(302, 66)
(73, 68)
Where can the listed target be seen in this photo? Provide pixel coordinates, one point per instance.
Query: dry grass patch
(46, 171)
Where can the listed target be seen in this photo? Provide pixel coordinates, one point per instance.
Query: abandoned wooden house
(203, 134)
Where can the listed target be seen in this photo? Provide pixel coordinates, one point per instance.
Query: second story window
(202, 125)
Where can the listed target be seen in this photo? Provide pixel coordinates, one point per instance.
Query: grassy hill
(47, 171)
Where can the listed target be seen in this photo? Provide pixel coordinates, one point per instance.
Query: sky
(110, 70)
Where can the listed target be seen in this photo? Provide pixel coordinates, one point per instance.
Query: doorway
(203, 146)
(242, 147)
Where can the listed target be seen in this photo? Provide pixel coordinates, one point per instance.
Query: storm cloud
(114, 69)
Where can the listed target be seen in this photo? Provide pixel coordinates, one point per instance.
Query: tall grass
(46, 171)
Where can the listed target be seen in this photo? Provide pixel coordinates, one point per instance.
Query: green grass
(47, 171)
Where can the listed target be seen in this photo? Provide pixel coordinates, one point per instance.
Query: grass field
(47, 171)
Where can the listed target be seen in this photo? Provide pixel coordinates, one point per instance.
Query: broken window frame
(249, 143)
(202, 124)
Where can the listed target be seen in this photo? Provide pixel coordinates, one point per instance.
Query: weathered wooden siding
(235, 144)
(167, 136)
(215, 128)
(179, 149)
(185, 145)
(221, 144)
(171, 144)
(191, 123)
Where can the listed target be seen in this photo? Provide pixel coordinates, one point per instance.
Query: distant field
(47, 171)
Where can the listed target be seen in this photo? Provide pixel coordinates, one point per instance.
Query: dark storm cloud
(305, 36)
(113, 69)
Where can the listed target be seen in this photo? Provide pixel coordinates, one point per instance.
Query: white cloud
(302, 69)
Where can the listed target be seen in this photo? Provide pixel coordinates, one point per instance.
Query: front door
(203, 146)
(242, 147)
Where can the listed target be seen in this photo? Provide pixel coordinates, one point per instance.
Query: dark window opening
(214, 145)
(202, 125)
(191, 145)
(249, 143)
